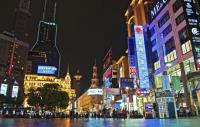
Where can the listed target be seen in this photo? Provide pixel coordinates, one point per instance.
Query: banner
(165, 81)
(158, 82)
(176, 83)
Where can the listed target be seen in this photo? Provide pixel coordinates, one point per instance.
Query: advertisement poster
(15, 91)
(4, 89)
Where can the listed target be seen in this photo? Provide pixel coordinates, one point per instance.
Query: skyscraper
(13, 52)
(22, 16)
(46, 49)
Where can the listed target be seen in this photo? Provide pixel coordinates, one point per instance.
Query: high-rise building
(44, 57)
(21, 22)
(175, 38)
(13, 52)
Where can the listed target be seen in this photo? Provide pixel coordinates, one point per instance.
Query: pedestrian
(187, 112)
(104, 112)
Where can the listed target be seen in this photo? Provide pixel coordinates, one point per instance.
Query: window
(180, 18)
(155, 56)
(156, 60)
(169, 50)
(152, 31)
(183, 35)
(177, 5)
(163, 19)
(153, 42)
(166, 31)
(186, 47)
(169, 46)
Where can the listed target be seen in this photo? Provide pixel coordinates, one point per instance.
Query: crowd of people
(104, 113)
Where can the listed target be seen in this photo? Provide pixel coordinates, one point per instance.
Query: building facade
(44, 57)
(34, 81)
(13, 52)
(174, 34)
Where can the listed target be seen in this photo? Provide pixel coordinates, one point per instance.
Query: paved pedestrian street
(194, 122)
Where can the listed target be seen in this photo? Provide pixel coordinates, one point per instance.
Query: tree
(49, 96)
(34, 97)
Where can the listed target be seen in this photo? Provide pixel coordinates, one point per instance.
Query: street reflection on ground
(195, 122)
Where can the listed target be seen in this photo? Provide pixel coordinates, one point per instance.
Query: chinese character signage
(143, 73)
(127, 82)
(194, 30)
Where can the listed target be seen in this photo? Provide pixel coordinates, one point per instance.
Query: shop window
(183, 35)
(163, 19)
(153, 42)
(186, 47)
(177, 5)
(166, 31)
(180, 18)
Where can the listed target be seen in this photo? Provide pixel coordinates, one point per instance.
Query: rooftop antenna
(54, 13)
(95, 62)
(44, 11)
(68, 68)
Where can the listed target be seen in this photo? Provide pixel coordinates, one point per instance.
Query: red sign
(138, 30)
(133, 70)
(141, 92)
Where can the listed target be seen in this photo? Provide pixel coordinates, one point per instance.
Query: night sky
(86, 30)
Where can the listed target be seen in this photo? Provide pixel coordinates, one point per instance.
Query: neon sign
(46, 70)
(143, 73)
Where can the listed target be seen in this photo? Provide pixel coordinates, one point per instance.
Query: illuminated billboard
(113, 91)
(194, 29)
(143, 73)
(4, 88)
(92, 92)
(49, 70)
(127, 82)
(15, 91)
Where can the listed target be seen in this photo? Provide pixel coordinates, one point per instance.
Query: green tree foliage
(49, 96)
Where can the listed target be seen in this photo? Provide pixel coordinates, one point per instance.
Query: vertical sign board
(194, 29)
(166, 83)
(143, 73)
(131, 57)
(15, 91)
(4, 89)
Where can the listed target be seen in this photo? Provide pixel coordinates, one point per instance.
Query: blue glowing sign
(50, 70)
(141, 58)
(127, 82)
